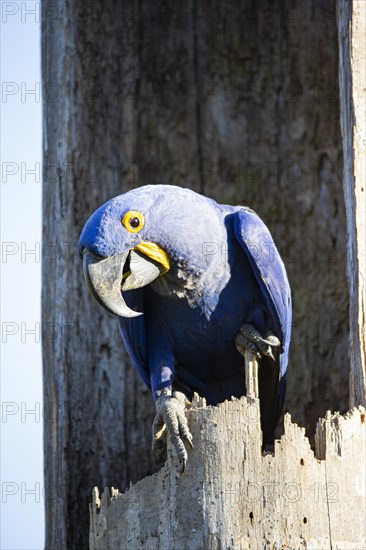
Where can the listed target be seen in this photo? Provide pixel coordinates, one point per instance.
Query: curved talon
(170, 418)
(250, 339)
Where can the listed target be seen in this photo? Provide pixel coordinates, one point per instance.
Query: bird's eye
(133, 221)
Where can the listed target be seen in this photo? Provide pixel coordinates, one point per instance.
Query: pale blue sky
(22, 503)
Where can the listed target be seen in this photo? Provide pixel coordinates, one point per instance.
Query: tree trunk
(238, 100)
(351, 18)
(231, 496)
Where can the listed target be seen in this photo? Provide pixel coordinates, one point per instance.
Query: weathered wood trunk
(230, 496)
(352, 82)
(235, 99)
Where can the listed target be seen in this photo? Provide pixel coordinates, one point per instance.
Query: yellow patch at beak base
(155, 252)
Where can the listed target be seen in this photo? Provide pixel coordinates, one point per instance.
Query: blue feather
(270, 274)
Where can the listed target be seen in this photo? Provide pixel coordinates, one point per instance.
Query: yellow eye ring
(133, 221)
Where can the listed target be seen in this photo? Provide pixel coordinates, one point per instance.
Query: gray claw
(242, 343)
(269, 353)
(170, 417)
(250, 339)
(183, 464)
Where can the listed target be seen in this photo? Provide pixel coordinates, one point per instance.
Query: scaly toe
(249, 338)
(170, 414)
(243, 344)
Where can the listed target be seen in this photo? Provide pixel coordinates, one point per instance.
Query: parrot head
(155, 231)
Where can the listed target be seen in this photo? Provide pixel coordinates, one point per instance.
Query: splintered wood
(231, 496)
(251, 374)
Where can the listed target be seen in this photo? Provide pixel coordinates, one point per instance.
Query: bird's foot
(250, 339)
(170, 417)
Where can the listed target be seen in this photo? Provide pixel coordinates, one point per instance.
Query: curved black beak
(106, 279)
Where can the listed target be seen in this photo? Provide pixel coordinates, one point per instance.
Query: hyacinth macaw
(194, 284)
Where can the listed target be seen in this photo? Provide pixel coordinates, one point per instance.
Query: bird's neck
(201, 278)
(197, 285)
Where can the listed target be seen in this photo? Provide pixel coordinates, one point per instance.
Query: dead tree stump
(232, 496)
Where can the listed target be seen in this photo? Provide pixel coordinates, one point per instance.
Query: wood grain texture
(251, 374)
(351, 17)
(232, 496)
(235, 99)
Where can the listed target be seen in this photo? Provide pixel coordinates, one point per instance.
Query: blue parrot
(194, 284)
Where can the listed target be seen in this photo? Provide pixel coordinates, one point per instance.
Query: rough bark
(231, 496)
(236, 99)
(351, 18)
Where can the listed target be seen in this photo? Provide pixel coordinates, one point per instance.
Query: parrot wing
(269, 271)
(270, 274)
